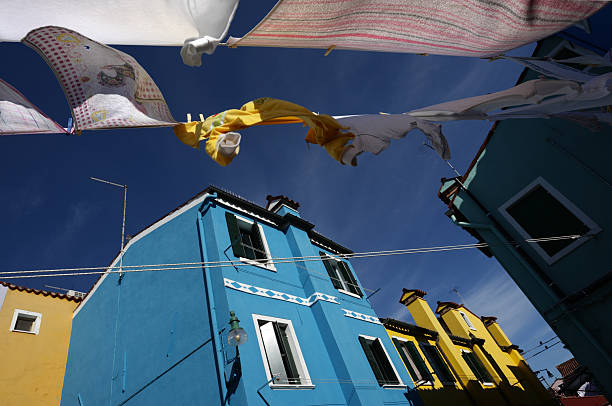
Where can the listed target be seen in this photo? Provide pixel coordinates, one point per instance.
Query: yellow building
(34, 337)
(458, 358)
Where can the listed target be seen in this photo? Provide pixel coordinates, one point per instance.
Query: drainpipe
(533, 274)
(212, 314)
(465, 389)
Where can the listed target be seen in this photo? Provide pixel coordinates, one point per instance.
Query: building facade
(34, 336)
(542, 178)
(458, 358)
(161, 337)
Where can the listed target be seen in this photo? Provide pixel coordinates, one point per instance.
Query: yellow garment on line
(323, 129)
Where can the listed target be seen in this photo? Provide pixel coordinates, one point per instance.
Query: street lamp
(123, 224)
(236, 336)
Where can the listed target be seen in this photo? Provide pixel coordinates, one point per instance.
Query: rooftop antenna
(456, 291)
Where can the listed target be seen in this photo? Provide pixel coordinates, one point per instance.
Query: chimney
(282, 205)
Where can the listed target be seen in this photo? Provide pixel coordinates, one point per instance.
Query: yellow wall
(438, 393)
(33, 366)
(513, 381)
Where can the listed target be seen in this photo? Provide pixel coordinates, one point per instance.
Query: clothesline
(221, 264)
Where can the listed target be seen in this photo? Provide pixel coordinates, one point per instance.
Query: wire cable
(218, 264)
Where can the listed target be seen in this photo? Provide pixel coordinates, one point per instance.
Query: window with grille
(541, 211)
(379, 361)
(440, 368)
(248, 241)
(418, 370)
(26, 322)
(479, 370)
(281, 352)
(341, 276)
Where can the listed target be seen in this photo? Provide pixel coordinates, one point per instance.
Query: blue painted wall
(164, 316)
(575, 161)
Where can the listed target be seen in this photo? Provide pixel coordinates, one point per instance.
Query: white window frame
(467, 320)
(36, 325)
(342, 281)
(540, 181)
(483, 365)
(421, 382)
(299, 358)
(401, 384)
(269, 265)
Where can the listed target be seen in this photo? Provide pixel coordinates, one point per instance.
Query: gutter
(212, 312)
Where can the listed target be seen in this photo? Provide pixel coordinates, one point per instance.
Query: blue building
(547, 178)
(161, 337)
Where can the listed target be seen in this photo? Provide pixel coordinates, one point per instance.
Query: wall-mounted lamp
(236, 335)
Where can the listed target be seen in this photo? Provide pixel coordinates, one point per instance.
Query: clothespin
(423, 54)
(69, 126)
(201, 117)
(331, 48)
(189, 117)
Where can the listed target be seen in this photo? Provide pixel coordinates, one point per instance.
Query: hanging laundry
(105, 88)
(552, 68)
(19, 116)
(452, 27)
(532, 99)
(324, 130)
(373, 133)
(199, 25)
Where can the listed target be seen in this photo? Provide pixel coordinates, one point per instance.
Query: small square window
(281, 353)
(540, 211)
(25, 322)
(379, 361)
(341, 276)
(248, 241)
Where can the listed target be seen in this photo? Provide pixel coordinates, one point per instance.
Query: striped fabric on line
(444, 27)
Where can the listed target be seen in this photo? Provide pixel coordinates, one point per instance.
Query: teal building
(538, 178)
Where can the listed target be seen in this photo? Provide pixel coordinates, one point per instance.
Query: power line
(219, 264)
(546, 348)
(539, 345)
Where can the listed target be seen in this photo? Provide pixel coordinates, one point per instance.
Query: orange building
(34, 337)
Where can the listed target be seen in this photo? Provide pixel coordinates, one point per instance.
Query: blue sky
(55, 217)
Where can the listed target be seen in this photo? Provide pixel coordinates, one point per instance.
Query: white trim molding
(274, 294)
(361, 316)
(571, 207)
(31, 315)
(295, 350)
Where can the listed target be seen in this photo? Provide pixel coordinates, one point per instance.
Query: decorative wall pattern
(274, 294)
(361, 316)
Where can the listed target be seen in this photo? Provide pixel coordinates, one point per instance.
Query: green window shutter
(349, 278)
(287, 356)
(416, 358)
(447, 375)
(399, 345)
(234, 233)
(373, 364)
(330, 270)
(389, 375)
(476, 366)
(258, 245)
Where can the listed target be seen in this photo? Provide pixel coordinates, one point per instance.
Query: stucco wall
(33, 364)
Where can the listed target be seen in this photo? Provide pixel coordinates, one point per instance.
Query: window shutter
(234, 233)
(373, 364)
(400, 349)
(350, 279)
(446, 372)
(292, 372)
(257, 242)
(330, 270)
(416, 357)
(476, 366)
